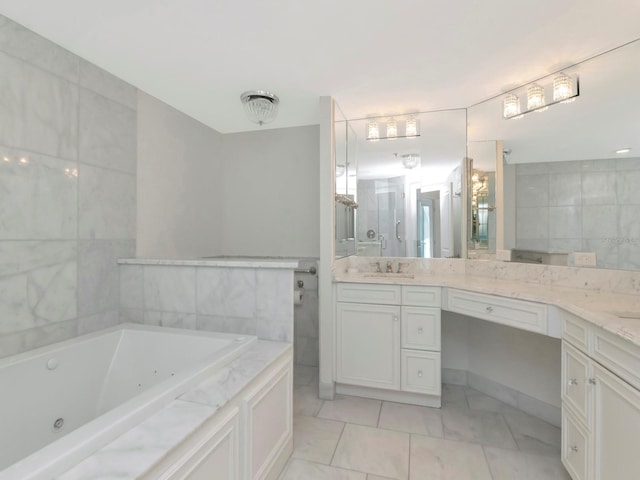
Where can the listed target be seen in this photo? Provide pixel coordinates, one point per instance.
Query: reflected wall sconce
(393, 129)
(410, 160)
(260, 106)
(562, 89)
(340, 170)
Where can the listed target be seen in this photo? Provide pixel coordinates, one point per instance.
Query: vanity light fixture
(511, 106)
(373, 131)
(535, 98)
(623, 150)
(410, 160)
(563, 88)
(563, 92)
(392, 129)
(260, 106)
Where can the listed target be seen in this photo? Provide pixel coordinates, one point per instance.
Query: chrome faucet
(401, 265)
(389, 267)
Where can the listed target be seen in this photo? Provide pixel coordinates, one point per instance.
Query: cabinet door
(368, 345)
(616, 427)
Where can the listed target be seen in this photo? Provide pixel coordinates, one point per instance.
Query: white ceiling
(375, 57)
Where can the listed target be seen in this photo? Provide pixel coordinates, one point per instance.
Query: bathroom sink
(389, 275)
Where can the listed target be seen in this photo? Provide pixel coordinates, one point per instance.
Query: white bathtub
(62, 402)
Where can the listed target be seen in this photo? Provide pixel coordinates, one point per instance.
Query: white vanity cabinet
(600, 403)
(388, 342)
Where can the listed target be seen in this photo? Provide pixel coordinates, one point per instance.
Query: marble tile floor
(472, 437)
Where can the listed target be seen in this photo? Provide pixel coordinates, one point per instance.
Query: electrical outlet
(584, 259)
(503, 255)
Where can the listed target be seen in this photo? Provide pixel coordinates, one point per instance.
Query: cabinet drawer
(421, 372)
(575, 376)
(420, 328)
(421, 296)
(575, 330)
(369, 293)
(575, 446)
(618, 355)
(515, 313)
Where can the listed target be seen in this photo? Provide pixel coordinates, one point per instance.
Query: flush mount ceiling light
(410, 160)
(260, 106)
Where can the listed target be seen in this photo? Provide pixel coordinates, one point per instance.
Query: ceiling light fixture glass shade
(373, 132)
(511, 106)
(563, 88)
(392, 129)
(260, 106)
(411, 128)
(535, 98)
(410, 160)
(340, 170)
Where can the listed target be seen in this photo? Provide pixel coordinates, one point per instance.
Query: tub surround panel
(39, 196)
(97, 321)
(135, 452)
(246, 300)
(54, 127)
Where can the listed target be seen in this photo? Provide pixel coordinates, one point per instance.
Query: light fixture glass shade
(562, 88)
(411, 128)
(511, 106)
(535, 98)
(373, 133)
(410, 160)
(340, 170)
(392, 129)
(260, 106)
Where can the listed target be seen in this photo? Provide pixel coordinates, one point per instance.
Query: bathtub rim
(65, 452)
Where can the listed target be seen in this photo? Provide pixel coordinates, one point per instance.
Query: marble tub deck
(132, 454)
(472, 437)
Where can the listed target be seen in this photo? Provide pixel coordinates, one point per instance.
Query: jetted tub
(60, 403)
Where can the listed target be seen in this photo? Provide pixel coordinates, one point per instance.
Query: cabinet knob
(395, 318)
(573, 381)
(489, 309)
(574, 448)
(420, 329)
(420, 373)
(592, 381)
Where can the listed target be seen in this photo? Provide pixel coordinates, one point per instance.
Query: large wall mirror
(570, 172)
(408, 184)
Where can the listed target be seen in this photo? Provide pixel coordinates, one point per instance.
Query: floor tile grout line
(379, 414)
(486, 459)
(511, 432)
(337, 443)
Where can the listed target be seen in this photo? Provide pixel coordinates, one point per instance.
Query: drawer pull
(573, 381)
(592, 381)
(574, 448)
(420, 330)
(489, 309)
(420, 373)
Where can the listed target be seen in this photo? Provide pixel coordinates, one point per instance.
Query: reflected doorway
(428, 210)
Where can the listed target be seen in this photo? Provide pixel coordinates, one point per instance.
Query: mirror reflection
(570, 172)
(345, 186)
(409, 184)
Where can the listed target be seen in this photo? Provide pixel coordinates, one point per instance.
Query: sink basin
(389, 275)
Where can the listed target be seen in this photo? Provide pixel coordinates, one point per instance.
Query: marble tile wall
(251, 301)
(587, 206)
(306, 318)
(68, 182)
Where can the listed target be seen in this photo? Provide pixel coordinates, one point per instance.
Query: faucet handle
(389, 267)
(377, 265)
(401, 265)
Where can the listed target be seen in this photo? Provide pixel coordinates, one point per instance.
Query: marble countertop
(617, 313)
(132, 454)
(222, 261)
